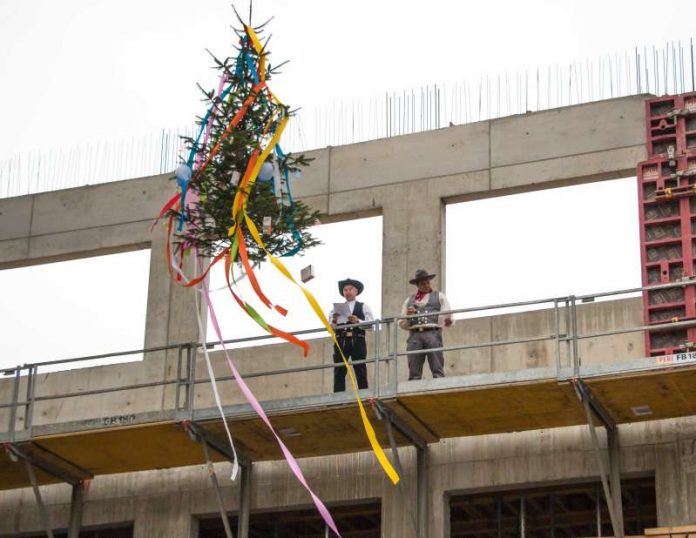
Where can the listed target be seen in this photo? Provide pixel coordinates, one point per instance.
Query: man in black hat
(425, 331)
(352, 339)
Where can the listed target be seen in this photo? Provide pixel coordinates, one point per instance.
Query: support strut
(609, 466)
(209, 440)
(34, 455)
(392, 422)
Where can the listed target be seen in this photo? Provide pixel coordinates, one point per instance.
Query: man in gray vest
(426, 330)
(352, 339)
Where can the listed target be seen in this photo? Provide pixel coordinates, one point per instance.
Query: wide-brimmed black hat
(350, 281)
(421, 274)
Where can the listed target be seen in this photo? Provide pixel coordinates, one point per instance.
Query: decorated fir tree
(241, 129)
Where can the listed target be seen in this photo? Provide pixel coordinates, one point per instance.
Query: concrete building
(500, 447)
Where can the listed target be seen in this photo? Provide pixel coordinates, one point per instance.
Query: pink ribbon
(256, 406)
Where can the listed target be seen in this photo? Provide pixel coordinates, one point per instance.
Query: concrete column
(158, 292)
(413, 239)
(164, 516)
(399, 502)
(687, 454)
(171, 315)
(675, 482)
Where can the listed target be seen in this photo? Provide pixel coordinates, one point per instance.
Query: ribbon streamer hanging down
(239, 212)
(241, 223)
(256, 406)
(369, 430)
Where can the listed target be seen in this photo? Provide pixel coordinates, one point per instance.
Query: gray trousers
(421, 341)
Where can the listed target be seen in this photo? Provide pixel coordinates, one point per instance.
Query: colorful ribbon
(256, 406)
(237, 249)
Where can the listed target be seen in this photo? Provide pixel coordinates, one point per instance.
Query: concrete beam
(80, 222)
(590, 141)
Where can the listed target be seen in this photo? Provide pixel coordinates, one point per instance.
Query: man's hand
(353, 319)
(448, 322)
(334, 318)
(410, 310)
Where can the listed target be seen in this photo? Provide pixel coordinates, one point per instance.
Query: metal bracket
(39, 500)
(585, 395)
(207, 439)
(35, 455)
(200, 434)
(49, 462)
(609, 468)
(216, 487)
(403, 428)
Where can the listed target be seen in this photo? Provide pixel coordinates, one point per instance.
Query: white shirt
(444, 306)
(367, 311)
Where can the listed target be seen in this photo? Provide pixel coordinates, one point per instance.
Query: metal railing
(561, 333)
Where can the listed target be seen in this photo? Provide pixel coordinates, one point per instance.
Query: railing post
(567, 333)
(29, 404)
(13, 409)
(574, 335)
(395, 353)
(557, 336)
(177, 385)
(378, 352)
(387, 352)
(190, 380)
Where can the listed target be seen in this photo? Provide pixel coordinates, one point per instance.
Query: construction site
(574, 417)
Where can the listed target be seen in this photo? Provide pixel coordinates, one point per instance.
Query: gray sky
(80, 70)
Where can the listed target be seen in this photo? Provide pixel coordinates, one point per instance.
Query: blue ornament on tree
(183, 175)
(266, 172)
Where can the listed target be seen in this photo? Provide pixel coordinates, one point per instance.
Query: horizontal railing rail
(563, 335)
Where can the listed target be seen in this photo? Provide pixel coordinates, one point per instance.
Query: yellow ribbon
(377, 449)
(239, 212)
(254, 174)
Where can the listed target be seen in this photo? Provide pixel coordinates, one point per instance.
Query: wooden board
(496, 409)
(156, 446)
(454, 412)
(136, 448)
(667, 393)
(337, 430)
(13, 474)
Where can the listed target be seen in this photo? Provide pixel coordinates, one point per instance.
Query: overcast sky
(79, 70)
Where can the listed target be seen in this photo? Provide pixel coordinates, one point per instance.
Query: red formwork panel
(671, 125)
(667, 197)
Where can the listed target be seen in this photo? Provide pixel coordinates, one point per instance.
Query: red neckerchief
(420, 295)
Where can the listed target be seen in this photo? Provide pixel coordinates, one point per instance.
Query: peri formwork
(671, 125)
(667, 198)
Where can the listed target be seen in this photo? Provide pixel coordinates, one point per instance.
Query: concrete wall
(391, 177)
(166, 503)
(602, 140)
(588, 142)
(592, 318)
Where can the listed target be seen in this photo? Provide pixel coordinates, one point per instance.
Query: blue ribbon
(295, 234)
(243, 58)
(192, 154)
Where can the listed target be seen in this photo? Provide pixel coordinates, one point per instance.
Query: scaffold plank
(496, 409)
(648, 395)
(456, 409)
(336, 430)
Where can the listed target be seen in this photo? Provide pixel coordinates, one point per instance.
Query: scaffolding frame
(564, 336)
